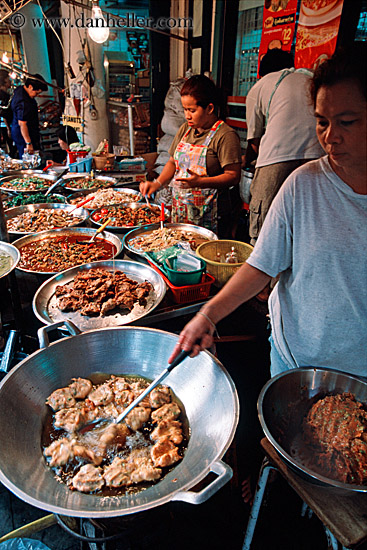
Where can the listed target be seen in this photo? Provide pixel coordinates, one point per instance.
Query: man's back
(290, 130)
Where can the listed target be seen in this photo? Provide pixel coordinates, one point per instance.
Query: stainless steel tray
(80, 231)
(49, 180)
(77, 175)
(13, 252)
(126, 228)
(46, 310)
(71, 198)
(146, 229)
(80, 213)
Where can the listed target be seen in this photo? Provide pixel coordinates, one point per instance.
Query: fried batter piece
(337, 427)
(88, 479)
(164, 453)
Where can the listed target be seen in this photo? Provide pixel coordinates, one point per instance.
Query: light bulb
(98, 31)
(13, 76)
(5, 58)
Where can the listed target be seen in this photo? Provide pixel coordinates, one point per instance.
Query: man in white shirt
(280, 130)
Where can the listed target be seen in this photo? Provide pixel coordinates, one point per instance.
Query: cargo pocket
(255, 217)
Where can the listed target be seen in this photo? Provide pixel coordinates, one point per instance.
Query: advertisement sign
(279, 21)
(317, 31)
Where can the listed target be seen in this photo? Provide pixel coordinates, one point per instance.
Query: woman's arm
(149, 187)
(243, 285)
(231, 176)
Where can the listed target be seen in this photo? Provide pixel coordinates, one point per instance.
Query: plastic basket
(209, 250)
(74, 156)
(189, 293)
(83, 165)
(183, 278)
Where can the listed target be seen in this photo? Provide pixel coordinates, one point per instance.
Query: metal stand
(265, 470)
(266, 467)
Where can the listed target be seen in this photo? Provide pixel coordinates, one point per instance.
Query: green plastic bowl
(181, 273)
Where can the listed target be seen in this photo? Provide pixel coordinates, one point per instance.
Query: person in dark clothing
(66, 135)
(6, 114)
(25, 125)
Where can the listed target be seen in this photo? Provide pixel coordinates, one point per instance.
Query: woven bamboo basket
(222, 271)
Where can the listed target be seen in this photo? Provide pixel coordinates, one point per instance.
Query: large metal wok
(202, 384)
(284, 402)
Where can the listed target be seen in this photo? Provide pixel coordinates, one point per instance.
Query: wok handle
(42, 332)
(224, 473)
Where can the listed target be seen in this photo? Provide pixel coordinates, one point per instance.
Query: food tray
(13, 252)
(77, 175)
(49, 180)
(44, 301)
(223, 271)
(81, 213)
(81, 194)
(73, 231)
(189, 293)
(125, 228)
(146, 229)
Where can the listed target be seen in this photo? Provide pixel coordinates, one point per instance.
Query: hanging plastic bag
(23, 544)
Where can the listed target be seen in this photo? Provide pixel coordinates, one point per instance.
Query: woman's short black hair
(275, 60)
(67, 134)
(348, 63)
(202, 89)
(37, 82)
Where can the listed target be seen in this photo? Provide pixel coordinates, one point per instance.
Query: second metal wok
(283, 403)
(201, 384)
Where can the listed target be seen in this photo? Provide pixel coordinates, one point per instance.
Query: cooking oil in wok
(136, 440)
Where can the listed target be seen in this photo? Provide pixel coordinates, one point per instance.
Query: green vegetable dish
(26, 184)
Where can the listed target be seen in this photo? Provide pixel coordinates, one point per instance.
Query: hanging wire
(51, 26)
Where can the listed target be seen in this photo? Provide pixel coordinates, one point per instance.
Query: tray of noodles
(151, 238)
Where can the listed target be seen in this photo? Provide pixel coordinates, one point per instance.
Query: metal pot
(284, 402)
(202, 384)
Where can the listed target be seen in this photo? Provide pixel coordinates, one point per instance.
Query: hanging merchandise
(317, 32)
(279, 21)
(76, 95)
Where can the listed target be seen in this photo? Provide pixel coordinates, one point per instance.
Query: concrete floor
(220, 523)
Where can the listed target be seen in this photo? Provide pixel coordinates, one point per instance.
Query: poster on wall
(317, 32)
(279, 21)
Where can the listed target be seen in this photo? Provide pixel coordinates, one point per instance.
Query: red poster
(317, 31)
(278, 25)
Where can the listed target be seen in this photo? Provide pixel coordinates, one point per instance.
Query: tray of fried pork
(100, 294)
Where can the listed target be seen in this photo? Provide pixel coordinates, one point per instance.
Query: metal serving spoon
(91, 425)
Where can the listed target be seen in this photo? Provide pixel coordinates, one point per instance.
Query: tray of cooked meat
(53, 251)
(84, 180)
(100, 294)
(33, 218)
(127, 216)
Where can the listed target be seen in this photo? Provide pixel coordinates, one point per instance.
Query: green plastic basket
(180, 277)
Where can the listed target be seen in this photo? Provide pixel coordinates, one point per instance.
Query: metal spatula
(180, 357)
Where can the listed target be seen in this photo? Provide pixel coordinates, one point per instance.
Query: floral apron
(197, 206)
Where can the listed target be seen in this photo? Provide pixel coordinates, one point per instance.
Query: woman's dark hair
(67, 134)
(202, 89)
(346, 64)
(37, 82)
(275, 60)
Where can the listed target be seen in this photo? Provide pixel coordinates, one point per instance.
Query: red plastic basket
(189, 293)
(74, 156)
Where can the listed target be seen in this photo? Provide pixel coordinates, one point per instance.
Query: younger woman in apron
(205, 160)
